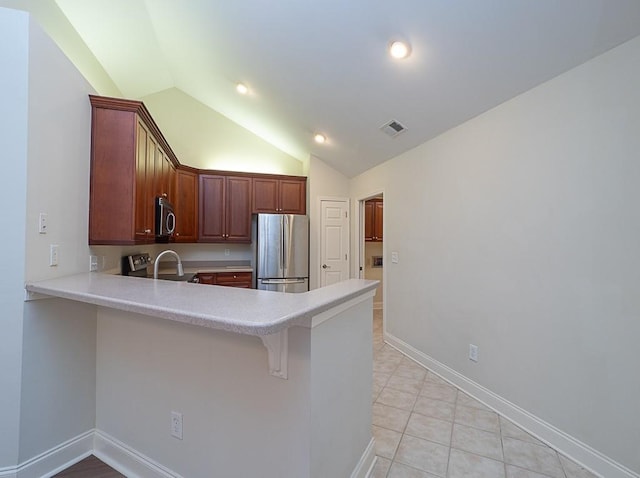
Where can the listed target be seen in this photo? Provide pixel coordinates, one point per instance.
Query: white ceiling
(322, 66)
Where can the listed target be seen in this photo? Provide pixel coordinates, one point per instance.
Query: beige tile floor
(426, 428)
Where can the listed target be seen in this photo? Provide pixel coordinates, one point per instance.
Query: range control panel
(136, 263)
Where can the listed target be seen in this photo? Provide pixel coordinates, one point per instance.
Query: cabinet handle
(164, 195)
(235, 277)
(177, 234)
(147, 231)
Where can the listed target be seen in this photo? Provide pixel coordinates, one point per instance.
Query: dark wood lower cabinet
(229, 279)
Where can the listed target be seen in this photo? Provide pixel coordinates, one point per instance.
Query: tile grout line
(453, 422)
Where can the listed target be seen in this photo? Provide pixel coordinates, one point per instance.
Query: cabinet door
(369, 221)
(265, 195)
(113, 218)
(186, 206)
(293, 198)
(143, 231)
(158, 172)
(211, 217)
(163, 175)
(172, 181)
(150, 182)
(238, 209)
(378, 213)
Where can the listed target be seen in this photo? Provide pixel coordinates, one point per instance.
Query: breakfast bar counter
(251, 312)
(302, 408)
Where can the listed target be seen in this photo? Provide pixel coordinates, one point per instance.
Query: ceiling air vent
(392, 128)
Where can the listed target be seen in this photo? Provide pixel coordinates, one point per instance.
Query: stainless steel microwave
(165, 219)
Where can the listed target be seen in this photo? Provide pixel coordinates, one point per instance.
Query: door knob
(324, 266)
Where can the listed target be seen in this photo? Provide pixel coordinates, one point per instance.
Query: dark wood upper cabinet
(211, 208)
(131, 163)
(373, 220)
(186, 205)
(224, 208)
(284, 195)
(265, 195)
(238, 209)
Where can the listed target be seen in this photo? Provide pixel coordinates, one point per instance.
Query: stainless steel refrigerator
(282, 260)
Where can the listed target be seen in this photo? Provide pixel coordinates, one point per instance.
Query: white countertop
(244, 311)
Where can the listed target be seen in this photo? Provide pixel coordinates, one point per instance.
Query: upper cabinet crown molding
(141, 110)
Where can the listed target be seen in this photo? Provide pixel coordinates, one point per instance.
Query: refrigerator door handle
(282, 281)
(282, 244)
(285, 245)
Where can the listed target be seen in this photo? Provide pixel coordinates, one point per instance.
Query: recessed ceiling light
(320, 138)
(399, 49)
(242, 88)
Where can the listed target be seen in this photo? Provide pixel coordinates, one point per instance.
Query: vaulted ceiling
(323, 66)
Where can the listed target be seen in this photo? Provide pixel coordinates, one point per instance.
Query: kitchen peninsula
(299, 407)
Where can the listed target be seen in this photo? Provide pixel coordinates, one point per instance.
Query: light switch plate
(53, 255)
(42, 223)
(394, 257)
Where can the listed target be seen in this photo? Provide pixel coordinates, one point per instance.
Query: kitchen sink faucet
(157, 263)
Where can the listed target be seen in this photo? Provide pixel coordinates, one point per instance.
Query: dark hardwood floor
(90, 467)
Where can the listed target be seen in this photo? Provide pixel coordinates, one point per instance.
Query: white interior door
(334, 241)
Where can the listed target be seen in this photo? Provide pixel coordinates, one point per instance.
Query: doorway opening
(372, 255)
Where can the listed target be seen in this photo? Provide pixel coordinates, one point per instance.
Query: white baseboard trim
(126, 460)
(367, 461)
(54, 460)
(123, 459)
(569, 446)
(8, 472)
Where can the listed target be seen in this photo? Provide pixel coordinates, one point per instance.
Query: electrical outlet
(227, 252)
(394, 258)
(473, 352)
(93, 263)
(53, 255)
(176, 425)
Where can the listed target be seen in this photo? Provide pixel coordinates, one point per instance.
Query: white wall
(518, 231)
(58, 166)
(48, 353)
(14, 43)
(49, 16)
(203, 138)
(323, 182)
(341, 383)
(58, 379)
(238, 420)
(236, 416)
(374, 273)
(58, 374)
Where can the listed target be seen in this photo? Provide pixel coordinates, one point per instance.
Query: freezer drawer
(284, 285)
